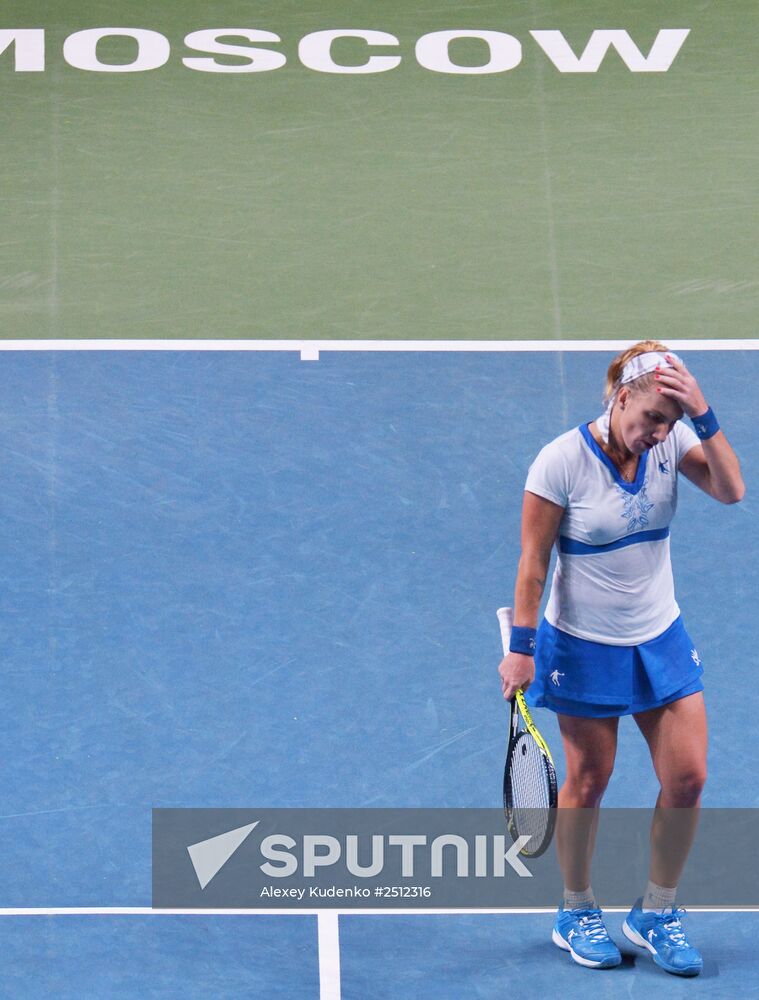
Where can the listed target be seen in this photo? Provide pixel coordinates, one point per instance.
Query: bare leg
(677, 738)
(590, 746)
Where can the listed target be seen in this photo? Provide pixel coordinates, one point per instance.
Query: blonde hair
(616, 368)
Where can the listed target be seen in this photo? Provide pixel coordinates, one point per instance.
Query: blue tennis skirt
(578, 677)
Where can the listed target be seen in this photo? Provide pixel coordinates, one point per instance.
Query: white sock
(658, 897)
(584, 900)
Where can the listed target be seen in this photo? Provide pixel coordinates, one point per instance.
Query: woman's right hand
(517, 670)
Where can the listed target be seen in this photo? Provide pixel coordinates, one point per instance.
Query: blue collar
(640, 476)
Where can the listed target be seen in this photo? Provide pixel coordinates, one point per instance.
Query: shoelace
(670, 923)
(592, 926)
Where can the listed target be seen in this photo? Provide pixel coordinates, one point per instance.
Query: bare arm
(713, 466)
(540, 526)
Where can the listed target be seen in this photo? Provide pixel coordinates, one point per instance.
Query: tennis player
(612, 642)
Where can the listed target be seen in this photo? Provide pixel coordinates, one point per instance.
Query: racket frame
(519, 707)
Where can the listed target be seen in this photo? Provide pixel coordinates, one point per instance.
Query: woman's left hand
(678, 383)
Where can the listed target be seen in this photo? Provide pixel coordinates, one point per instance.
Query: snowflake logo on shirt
(636, 508)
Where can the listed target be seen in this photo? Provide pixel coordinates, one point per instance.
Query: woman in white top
(612, 642)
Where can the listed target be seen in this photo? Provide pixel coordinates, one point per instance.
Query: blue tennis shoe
(582, 933)
(662, 933)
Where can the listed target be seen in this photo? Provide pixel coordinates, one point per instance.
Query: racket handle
(505, 620)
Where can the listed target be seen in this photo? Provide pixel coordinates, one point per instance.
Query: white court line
(310, 350)
(329, 955)
(148, 911)
(327, 924)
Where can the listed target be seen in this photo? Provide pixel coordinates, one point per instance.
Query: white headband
(637, 367)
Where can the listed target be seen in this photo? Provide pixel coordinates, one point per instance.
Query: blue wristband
(706, 425)
(522, 640)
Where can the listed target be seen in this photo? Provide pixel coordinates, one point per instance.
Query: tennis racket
(530, 795)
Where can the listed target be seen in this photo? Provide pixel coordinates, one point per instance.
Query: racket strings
(529, 792)
(529, 781)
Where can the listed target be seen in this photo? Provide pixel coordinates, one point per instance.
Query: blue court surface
(239, 579)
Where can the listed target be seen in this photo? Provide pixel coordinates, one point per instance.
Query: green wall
(528, 204)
